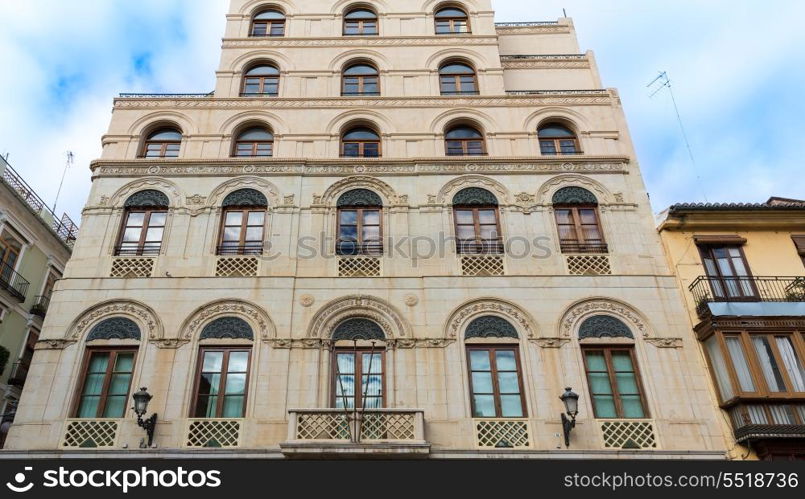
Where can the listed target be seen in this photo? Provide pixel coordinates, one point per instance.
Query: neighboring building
(742, 267)
(34, 248)
(247, 255)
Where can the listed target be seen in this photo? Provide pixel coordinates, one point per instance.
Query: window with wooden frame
(10, 248)
(478, 229)
(757, 364)
(222, 378)
(360, 142)
(360, 79)
(799, 243)
(457, 78)
(105, 383)
(728, 272)
(614, 383)
(360, 230)
(262, 80)
(451, 21)
(557, 139)
(269, 22)
(496, 383)
(360, 22)
(464, 140)
(163, 143)
(256, 141)
(358, 378)
(142, 231)
(579, 229)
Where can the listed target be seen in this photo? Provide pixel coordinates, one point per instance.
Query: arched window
(105, 382)
(256, 141)
(359, 22)
(475, 212)
(555, 138)
(262, 80)
(576, 212)
(222, 372)
(451, 20)
(360, 79)
(360, 142)
(457, 78)
(269, 22)
(243, 223)
(163, 143)
(359, 372)
(464, 140)
(144, 217)
(612, 375)
(360, 227)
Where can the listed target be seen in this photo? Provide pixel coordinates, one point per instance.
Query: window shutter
(799, 242)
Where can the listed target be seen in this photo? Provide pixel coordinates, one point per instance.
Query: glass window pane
(119, 385)
(479, 360)
(115, 407)
(482, 382)
(371, 233)
(464, 217)
(371, 217)
(599, 383)
(792, 363)
(213, 362)
(622, 361)
(234, 218)
(487, 217)
(210, 383)
(154, 235)
(489, 232)
(135, 220)
(511, 406)
(235, 384)
(768, 364)
(157, 219)
(564, 216)
(233, 407)
(93, 385)
(254, 234)
(740, 363)
(238, 362)
(348, 233)
(232, 234)
(596, 361)
(349, 217)
(132, 235)
(508, 382)
(719, 367)
(372, 386)
(604, 406)
(484, 406)
(256, 218)
(505, 360)
(89, 407)
(632, 408)
(627, 384)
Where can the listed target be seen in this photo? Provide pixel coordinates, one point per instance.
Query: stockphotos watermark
(117, 480)
(412, 248)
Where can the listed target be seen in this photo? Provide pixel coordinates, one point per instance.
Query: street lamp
(141, 400)
(571, 401)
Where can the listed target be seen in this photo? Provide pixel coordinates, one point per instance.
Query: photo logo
(20, 478)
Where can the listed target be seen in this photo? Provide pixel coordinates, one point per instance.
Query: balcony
(147, 249)
(40, 308)
(363, 432)
(749, 295)
(584, 248)
(11, 281)
(18, 374)
(767, 421)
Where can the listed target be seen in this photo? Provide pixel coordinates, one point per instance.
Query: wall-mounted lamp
(571, 401)
(141, 400)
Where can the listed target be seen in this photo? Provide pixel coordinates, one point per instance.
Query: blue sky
(737, 69)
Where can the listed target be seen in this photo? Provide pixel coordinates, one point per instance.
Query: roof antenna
(67, 165)
(564, 12)
(662, 81)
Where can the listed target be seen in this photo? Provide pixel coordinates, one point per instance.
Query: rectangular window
(478, 230)
(352, 365)
(579, 229)
(106, 383)
(142, 232)
(268, 28)
(223, 375)
(728, 272)
(242, 232)
(496, 385)
(359, 231)
(614, 383)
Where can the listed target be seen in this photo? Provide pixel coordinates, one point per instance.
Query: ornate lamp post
(141, 400)
(571, 401)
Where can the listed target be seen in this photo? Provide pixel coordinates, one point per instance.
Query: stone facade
(420, 291)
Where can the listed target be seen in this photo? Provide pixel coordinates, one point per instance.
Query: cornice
(553, 99)
(532, 29)
(737, 220)
(570, 61)
(366, 41)
(324, 167)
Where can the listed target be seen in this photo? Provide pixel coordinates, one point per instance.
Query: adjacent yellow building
(742, 271)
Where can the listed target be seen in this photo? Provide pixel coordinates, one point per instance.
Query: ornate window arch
(253, 140)
(269, 21)
(162, 142)
(227, 328)
(261, 79)
(604, 326)
(358, 328)
(390, 320)
(458, 77)
(257, 318)
(145, 215)
(114, 328)
(360, 78)
(490, 326)
(476, 217)
(360, 20)
(555, 138)
(451, 19)
(361, 141)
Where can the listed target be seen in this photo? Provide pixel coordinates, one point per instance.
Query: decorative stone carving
(115, 328)
(551, 342)
(665, 342)
(526, 202)
(159, 184)
(367, 307)
(473, 196)
(574, 195)
(254, 314)
(618, 197)
(604, 326)
(450, 189)
(411, 300)
(306, 300)
(359, 197)
(288, 200)
(583, 309)
(168, 343)
(558, 183)
(487, 306)
(196, 200)
(490, 326)
(227, 327)
(245, 197)
(358, 329)
(53, 344)
(147, 199)
(137, 311)
(358, 182)
(216, 198)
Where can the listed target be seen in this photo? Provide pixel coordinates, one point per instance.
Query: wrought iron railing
(595, 91)
(12, 282)
(65, 228)
(707, 289)
(147, 249)
(352, 248)
(494, 247)
(542, 56)
(245, 249)
(18, 374)
(597, 248)
(40, 308)
(768, 420)
(163, 96)
(524, 24)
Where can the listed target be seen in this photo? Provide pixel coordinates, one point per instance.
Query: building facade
(34, 246)
(392, 229)
(742, 268)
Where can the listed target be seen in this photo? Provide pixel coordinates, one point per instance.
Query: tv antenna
(661, 82)
(67, 165)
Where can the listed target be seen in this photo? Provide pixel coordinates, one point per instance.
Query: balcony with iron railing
(749, 295)
(584, 248)
(18, 374)
(250, 249)
(13, 283)
(147, 249)
(40, 307)
(754, 421)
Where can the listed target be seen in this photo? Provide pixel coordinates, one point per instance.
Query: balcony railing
(491, 247)
(597, 248)
(12, 282)
(524, 24)
(357, 426)
(40, 308)
(245, 249)
(351, 248)
(595, 91)
(147, 249)
(163, 96)
(258, 94)
(360, 94)
(707, 289)
(754, 421)
(18, 374)
(460, 92)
